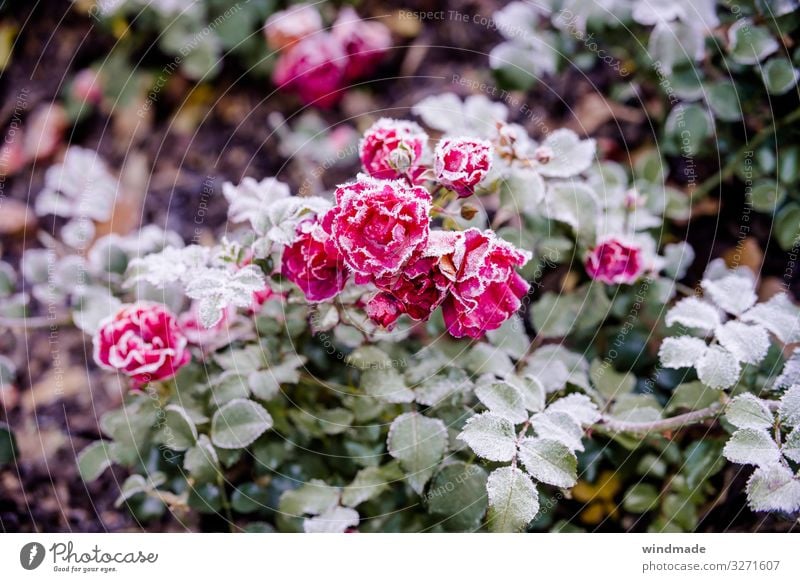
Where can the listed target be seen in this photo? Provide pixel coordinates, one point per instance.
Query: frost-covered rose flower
(315, 68)
(486, 289)
(143, 341)
(379, 225)
(421, 286)
(365, 42)
(614, 261)
(462, 163)
(286, 27)
(313, 263)
(392, 148)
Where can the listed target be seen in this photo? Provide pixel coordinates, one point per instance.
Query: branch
(665, 424)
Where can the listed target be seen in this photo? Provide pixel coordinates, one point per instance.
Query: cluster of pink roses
(615, 261)
(318, 64)
(379, 230)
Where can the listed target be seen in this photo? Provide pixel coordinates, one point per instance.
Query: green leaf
(311, 498)
(787, 226)
(640, 498)
(791, 448)
(750, 44)
(558, 426)
(779, 76)
(249, 497)
(387, 384)
(773, 488)
(490, 436)
(789, 410)
(557, 315)
(767, 195)
(8, 447)
(368, 484)
(179, 431)
(749, 446)
(610, 383)
(238, 423)
(201, 461)
(93, 460)
(136, 484)
(458, 493)
(334, 520)
(504, 400)
(513, 500)
(692, 396)
(724, 100)
(747, 411)
(419, 443)
(549, 461)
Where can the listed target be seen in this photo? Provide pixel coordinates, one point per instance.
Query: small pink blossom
(286, 27)
(486, 289)
(143, 341)
(44, 131)
(392, 149)
(313, 67)
(86, 87)
(462, 163)
(614, 261)
(313, 263)
(379, 225)
(365, 42)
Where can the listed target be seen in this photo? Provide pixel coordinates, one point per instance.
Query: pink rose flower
(87, 87)
(313, 263)
(614, 261)
(260, 298)
(486, 289)
(379, 225)
(365, 42)
(286, 27)
(313, 67)
(143, 341)
(392, 149)
(462, 163)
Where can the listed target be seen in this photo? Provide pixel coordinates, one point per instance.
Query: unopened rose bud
(468, 212)
(632, 199)
(86, 87)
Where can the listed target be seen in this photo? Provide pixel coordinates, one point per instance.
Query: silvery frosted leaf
(573, 203)
(387, 384)
(78, 233)
(526, 190)
(419, 443)
(525, 62)
(750, 44)
(773, 488)
(91, 306)
(510, 337)
(608, 382)
(748, 343)
(313, 498)
(694, 313)
(334, 520)
(748, 411)
(516, 19)
(549, 461)
(791, 371)
(504, 400)
(678, 257)
(434, 390)
(555, 366)
(779, 315)
(570, 154)
(734, 293)
(791, 448)
(673, 43)
(558, 426)
(169, 266)
(216, 289)
(484, 358)
(490, 436)
(532, 390)
(789, 411)
(483, 114)
(513, 500)
(749, 446)
(578, 406)
(718, 368)
(368, 483)
(681, 352)
(443, 112)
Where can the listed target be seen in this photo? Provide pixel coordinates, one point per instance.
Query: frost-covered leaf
(791, 371)
(748, 446)
(334, 520)
(434, 390)
(236, 424)
(694, 313)
(718, 368)
(789, 411)
(748, 411)
(490, 436)
(681, 352)
(791, 448)
(458, 494)
(387, 384)
(368, 484)
(510, 337)
(678, 257)
(513, 500)
(570, 155)
(748, 343)
(442, 112)
(93, 460)
(575, 204)
(549, 461)
(504, 400)
(578, 406)
(179, 431)
(558, 426)
(419, 443)
(532, 390)
(750, 44)
(610, 383)
(734, 293)
(773, 488)
(171, 265)
(311, 498)
(216, 289)
(201, 461)
(91, 306)
(779, 315)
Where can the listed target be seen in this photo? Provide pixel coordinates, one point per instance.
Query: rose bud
(615, 262)
(314, 68)
(365, 42)
(392, 149)
(462, 163)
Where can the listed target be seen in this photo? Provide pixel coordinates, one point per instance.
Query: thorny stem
(662, 425)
